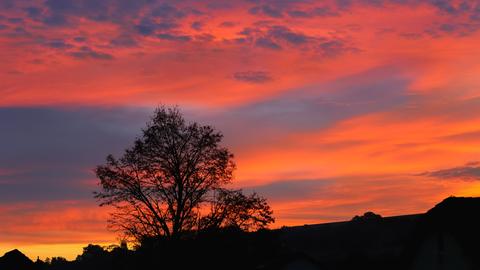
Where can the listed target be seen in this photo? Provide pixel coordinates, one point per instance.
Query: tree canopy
(164, 183)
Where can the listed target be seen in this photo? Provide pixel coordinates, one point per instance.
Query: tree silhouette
(161, 185)
(91, 252)
(367, 216)
(232, 208)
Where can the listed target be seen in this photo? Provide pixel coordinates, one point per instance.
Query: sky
(332, 108)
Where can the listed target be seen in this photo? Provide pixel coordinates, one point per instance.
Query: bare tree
(232, 208)
(159, 186)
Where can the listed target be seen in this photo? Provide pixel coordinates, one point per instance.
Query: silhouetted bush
(368, 216)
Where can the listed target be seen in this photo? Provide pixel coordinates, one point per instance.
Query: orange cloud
(345, 104)
(48, 229)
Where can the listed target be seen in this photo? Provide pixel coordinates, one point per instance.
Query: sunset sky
(332, 108)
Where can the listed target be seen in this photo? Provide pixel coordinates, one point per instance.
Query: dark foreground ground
(446, 237)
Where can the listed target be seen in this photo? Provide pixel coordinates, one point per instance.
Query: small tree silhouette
(367, 216)
(162, 185)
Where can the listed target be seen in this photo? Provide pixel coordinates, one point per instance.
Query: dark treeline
(207, 250)
(446, 237)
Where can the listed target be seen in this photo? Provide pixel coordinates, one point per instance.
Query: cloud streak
(252, 76)
(57, 162)
(470, 171)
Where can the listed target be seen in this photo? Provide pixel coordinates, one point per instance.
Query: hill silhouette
(445, 237)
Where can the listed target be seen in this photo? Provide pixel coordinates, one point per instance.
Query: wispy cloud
(470, 171)
(252, 76)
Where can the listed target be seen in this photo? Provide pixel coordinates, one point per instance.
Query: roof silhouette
(15, 259)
